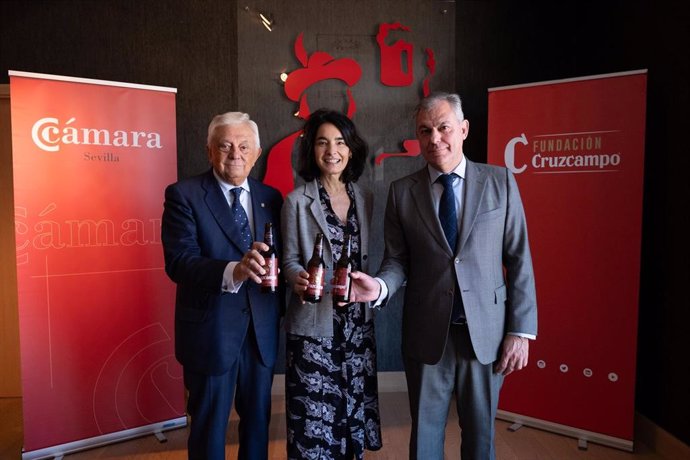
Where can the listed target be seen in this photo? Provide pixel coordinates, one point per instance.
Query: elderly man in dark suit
(226, 329)
(456, 232)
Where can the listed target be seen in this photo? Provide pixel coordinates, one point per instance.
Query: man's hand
(252, 264)
(514, 354)
(364, 288)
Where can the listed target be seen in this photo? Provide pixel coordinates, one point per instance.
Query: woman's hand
(300, 284)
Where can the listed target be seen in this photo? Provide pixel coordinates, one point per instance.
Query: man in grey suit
(456, 232)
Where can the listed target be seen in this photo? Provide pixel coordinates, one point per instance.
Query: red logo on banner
(558, 153)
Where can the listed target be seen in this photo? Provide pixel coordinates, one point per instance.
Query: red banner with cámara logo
(576, 148)
(91, 160)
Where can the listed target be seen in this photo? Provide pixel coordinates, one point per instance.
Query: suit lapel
(363, 217)
(218, 206)
(311, 190)
(421, 195)
(260, 209)
(475, 181)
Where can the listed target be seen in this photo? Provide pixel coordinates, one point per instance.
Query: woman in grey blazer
(331, 387)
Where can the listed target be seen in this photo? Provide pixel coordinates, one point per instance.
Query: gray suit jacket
(302, 218)
(493, 234)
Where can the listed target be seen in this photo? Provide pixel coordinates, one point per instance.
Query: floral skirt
(332, 391)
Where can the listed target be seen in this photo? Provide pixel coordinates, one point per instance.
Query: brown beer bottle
(341, 278)
(269, 281)
(315, 267)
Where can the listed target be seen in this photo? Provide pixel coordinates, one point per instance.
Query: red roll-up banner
(576, 148)
(91, 161)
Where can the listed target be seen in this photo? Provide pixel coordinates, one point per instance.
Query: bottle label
(341, 283)
(270, 279)
(315, 285)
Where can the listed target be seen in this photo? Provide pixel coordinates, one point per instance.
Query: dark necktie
(240, 218)
(448, 216)
(447, 213)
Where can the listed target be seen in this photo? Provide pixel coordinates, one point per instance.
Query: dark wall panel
(501, 43)
(188, 45)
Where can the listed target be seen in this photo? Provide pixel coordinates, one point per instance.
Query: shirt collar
(459, 170)
(227, 187)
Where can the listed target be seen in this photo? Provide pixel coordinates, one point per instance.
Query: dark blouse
(337, 229)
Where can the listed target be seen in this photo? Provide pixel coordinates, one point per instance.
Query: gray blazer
(493, 234)
(302, 218)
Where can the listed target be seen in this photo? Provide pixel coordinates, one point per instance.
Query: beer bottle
(343, 268)
(315, 267)
(269, 281)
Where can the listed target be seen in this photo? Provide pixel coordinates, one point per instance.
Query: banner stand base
(583, 436)
(515, 426)
(160, 436)
(57, 452)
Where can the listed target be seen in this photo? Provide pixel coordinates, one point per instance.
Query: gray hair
(232, 118)
(434, 98)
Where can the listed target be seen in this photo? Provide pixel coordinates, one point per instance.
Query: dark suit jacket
(493, 235)
(199, 239)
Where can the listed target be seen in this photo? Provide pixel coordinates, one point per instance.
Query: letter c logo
(39, 134)
(509, 154)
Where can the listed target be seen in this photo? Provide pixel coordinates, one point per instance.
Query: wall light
(266, 19)
(268, 23)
